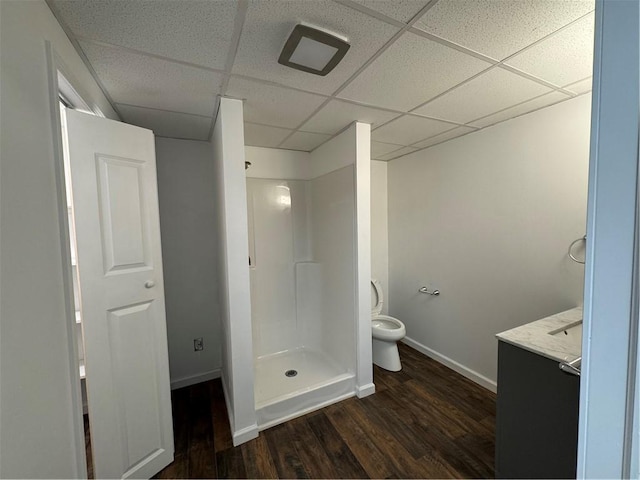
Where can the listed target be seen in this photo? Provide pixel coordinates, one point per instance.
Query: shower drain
(291, 373)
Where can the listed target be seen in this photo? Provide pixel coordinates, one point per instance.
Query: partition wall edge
(364, 369)
(235, 300)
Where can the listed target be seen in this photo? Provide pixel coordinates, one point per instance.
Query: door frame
(60, 80)
(610, 339)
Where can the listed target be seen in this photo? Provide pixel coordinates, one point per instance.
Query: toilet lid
(377, 299)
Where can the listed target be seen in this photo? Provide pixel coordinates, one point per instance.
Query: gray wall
(36, 419)
(187, 222)
(487, 219)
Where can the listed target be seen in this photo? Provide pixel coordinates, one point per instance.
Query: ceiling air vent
(312, 50)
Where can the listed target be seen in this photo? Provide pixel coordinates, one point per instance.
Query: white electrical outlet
(198, 344)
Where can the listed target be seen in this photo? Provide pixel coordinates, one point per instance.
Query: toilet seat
(384, 327)
(377, 290)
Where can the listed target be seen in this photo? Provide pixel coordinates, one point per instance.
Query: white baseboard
(193, 379)
(453, 365)
(245, 434)
(365, 390)
(227, 402)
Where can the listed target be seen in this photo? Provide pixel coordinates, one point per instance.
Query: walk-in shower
(294, 273)
(302, 271)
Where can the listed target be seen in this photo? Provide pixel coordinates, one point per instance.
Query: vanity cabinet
(537, 416)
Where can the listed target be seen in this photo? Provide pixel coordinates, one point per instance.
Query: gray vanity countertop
(535, 336)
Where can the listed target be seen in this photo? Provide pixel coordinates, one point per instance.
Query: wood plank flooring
(426, 421)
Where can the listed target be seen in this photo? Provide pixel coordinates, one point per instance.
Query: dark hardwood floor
(426, 421)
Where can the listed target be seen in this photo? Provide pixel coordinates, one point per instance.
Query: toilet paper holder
(426, 290)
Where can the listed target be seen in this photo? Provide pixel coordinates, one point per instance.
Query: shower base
(281, 395)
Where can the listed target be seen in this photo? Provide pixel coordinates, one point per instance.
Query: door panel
(115, 199)
(122, 213)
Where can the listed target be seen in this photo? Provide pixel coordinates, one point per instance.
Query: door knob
(149, 284)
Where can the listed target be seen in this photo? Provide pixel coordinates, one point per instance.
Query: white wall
(332, 219)
(352, 148)
(272, 238)
(36, 416)
(233, 269)
(187, 208)
(487, 219)
(278, 164)
(380, 228)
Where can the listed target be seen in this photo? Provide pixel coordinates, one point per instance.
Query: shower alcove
(294, 285)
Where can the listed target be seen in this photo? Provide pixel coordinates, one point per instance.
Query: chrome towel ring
(570, 253)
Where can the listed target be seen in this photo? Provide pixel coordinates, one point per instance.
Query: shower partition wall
(301, 244)
(293, 274)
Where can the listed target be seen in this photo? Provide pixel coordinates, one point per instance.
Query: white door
(113, 179)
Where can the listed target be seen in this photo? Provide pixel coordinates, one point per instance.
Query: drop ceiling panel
(269, 23)
(401, 10)
(410, 72)
(379, 149)
(197, 31)
(526, 107)
(563, 58)
(149, 82)
(264, 135)
(397, 153)
(167, 124)
(581, 86)
(409, 129)
(485, 94)
(271, 105)
(305, 141)
(500, 28)
(336, 115)
(443, 137)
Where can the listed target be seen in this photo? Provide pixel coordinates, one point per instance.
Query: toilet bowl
(386, 332)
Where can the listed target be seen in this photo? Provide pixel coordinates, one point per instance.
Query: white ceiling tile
(401, 10)
(304, 141)
(336, 115)
(408, 129)
(485, 94)
(197, 31)
(443, 137)
(499, 28)
(270, 105)
(378, 149)
(581, 86)
(264, 135)
(269, 23)
(410, 72)
(150, 82)
(563, 58)
(526, 107)
(167, 124)
(397, 153)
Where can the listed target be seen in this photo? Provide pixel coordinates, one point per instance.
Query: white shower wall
(278, 240)
(301, 236)
(333, 219)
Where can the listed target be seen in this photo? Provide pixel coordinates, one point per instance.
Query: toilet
(386, 332)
